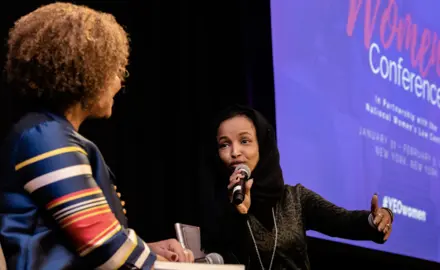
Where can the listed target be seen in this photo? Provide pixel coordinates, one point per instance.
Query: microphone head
(214, 258)
(243, 168)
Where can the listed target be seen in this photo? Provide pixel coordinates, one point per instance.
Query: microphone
(238, 190)
(211, 258)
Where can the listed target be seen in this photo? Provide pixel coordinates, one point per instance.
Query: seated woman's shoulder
(40, 122)
(36, 133)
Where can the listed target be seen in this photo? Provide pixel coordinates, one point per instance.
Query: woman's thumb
(249, 185)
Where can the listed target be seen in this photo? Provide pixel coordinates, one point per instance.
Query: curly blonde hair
(63, 54)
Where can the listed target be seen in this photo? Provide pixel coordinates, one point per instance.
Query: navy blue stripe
(149, 262)
(51, 164)
(99, 203)
(136, 252)
(41, 139)
(58, 189)
(67, 204)
(101, 254)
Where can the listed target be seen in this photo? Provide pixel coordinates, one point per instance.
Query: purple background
(322, 81)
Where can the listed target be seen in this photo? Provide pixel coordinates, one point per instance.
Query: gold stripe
(86, 216)
(75, 197)
(75, 215)
(50, 154)
(99, 235)
(101, 241)
(117, 260)
(125, 258)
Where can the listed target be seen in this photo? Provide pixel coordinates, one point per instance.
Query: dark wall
(189, 59)
(185, 65)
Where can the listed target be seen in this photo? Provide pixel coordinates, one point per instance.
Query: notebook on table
(159, 265)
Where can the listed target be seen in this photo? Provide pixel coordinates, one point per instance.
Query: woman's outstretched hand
(382, 218)
(242, 208)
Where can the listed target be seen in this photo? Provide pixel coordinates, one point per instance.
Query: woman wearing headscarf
(268, 229)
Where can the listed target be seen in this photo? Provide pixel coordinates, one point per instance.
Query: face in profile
(237, 142)
(102, 108)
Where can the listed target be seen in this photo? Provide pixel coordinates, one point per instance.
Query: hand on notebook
(172, 251)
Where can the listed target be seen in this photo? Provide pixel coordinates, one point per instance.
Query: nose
(118, 83)
(235, 152)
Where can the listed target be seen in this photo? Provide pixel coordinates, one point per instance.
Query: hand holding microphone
(240, 188)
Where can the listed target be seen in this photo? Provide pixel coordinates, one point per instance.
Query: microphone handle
(201, 260)
(238, 192)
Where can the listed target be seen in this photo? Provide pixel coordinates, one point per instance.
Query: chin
(107, 115)
(102, 114)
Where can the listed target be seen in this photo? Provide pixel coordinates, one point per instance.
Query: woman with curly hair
(58, 206)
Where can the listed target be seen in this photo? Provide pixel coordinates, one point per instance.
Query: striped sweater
(58, 208)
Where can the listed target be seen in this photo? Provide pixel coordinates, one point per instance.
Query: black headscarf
(222, 225)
